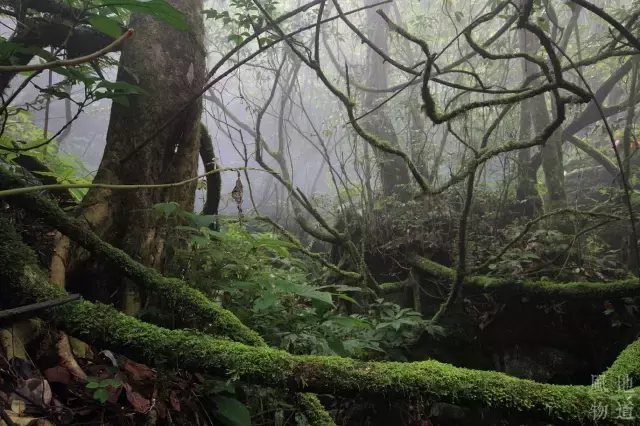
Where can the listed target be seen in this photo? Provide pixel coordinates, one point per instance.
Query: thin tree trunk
(393, 170)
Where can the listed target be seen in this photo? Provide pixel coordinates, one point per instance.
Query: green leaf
(347, 298)
(101, 395)
(211, 13)
(121, 87)
(106, 25)
(110, 382)
(159, 9)
(93, 385)
(265, 302)
(166, 208)
(232, 412)
(237, 39)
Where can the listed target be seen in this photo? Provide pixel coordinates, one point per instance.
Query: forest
(319, 212)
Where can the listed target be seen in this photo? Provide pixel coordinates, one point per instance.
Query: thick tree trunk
(169, 65)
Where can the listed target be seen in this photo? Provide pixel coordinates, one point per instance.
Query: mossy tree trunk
(393, 170)
(169, 65)
(551, 153)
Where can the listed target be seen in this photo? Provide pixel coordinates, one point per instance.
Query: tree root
(189, 304)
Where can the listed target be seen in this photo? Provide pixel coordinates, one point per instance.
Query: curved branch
(71, 62)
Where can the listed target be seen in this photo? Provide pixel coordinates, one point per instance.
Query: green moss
(195, 351)
(188, 303)
(393, 287)
(624, 372)
(313, 410)
(14, 254)
(510, 288)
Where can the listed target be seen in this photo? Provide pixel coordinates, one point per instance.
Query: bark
(169, 65)
(214, 181)
(393, 170)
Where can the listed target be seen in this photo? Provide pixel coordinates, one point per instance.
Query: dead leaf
(139, 371)
(36, 391)
(114, 395)
(162, 409)
(139, 403)
(57, 375)
(175, 402)
(18, 406)
(79, 348)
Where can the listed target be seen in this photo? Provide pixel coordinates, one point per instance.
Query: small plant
(103, 387)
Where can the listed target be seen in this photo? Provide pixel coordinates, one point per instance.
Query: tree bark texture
(169, 65)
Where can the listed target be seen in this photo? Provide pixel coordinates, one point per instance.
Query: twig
(9, 315)
(71, 62)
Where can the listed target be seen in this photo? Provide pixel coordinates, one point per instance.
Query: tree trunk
(393, 170)
(169, 65)
(552, 150)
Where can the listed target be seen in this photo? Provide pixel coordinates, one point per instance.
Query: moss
(393, 287)
(188, 303)
(195, 351)
(14, 254)
(624, 372)
(313, 410)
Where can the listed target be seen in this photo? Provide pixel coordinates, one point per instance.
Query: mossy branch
(513, 288)
(71, 62)
(190, 304)
(313, 410)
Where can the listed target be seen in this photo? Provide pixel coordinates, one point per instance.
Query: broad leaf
(159, 9)
(106, 25)
(232, 412)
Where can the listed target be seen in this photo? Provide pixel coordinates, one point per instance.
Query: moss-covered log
(195, 351)
(624, 372)
(508, 289)
(188, 303)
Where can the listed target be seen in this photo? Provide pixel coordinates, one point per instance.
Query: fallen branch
(10, 316)
(71, 62)
(625, 369)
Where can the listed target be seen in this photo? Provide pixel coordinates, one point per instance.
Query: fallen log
(199, 352)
